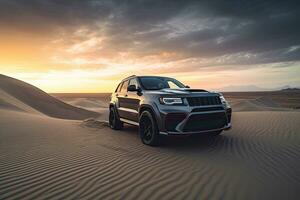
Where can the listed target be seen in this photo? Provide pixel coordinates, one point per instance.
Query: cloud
(199, 33)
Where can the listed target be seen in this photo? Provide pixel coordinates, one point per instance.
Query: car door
(122, 96)
(133, 101)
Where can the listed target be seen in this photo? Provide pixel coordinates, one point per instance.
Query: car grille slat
(204, 101)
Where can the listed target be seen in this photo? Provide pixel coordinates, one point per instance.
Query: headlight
(171, 101)
(224, 102)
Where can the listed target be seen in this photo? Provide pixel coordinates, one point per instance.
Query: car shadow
(192, 142)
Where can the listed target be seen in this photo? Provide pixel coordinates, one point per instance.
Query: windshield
(158, 83)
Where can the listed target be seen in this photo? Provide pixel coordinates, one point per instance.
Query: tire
(114, 120)
(148, 130)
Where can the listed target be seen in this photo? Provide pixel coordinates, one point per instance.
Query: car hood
(182, 91)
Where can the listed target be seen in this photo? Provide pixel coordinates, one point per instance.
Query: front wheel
(114, 120)
(148, 129)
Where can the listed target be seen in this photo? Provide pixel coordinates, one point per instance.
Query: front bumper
(227, 127)
(182, 123)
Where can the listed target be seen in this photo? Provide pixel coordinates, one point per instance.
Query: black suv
(165, 106)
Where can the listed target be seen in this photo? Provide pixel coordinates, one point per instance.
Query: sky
(90, 45)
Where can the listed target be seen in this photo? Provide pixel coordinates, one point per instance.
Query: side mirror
(187, 86)
(132, 88)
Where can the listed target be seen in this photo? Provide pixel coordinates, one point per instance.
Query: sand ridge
(43, 157)
(70, 161)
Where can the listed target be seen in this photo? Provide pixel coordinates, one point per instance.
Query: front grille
(204, 101)
(203, 122)
(205, 109)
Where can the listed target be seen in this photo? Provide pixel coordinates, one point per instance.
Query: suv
(165, 106)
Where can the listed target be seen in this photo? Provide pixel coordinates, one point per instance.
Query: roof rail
(129, 77)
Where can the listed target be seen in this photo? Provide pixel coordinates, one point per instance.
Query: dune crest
(18, 95)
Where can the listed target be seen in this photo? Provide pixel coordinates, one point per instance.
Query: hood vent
(196, 90)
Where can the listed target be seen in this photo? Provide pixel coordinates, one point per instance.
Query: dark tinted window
(124, 86)
(157, 83)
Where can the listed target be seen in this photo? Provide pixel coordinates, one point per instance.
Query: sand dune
(257, 159)
(96, 102)
(92, 104)
(273, 99)
(50, 158)
(258, 104)
(88, 103)
(18, 95)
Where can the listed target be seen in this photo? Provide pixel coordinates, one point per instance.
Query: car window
(119, 87)
(158, 83)
(133, 82)
(124, 87)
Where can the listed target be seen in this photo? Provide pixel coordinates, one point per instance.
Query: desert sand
(52, 150)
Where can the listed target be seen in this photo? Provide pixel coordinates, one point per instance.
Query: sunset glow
(90, 51)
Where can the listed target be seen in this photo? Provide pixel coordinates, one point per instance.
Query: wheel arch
(111, 105)
(146, 107)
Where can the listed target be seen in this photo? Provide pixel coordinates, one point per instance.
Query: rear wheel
(148, 129)
(114, 120)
